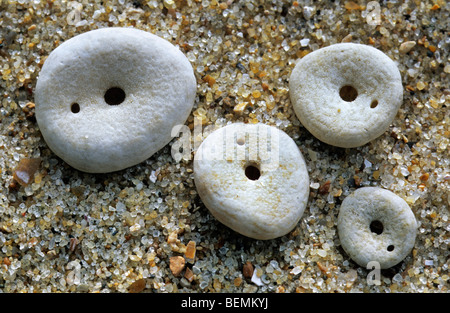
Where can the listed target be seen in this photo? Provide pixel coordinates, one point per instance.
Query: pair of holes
(251, 170)
(377, 228)
(349, 93)
(113, 96)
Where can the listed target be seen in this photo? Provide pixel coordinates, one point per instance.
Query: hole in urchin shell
(240, 141)
(348, 93)
(390, 248)
(114, 96)
(374, 104)
(376, 227)
(252, 172)
(75, 108)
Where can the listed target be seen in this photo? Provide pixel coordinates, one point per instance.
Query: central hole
(252, 172)
(114, 96)
(376, 227)
(348, 93)
(75, 107)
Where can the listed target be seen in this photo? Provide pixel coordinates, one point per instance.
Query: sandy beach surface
(69, 231)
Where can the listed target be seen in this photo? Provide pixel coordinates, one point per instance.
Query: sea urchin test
(374, 224)
(108, 99)
(253, 179)
(346, 94)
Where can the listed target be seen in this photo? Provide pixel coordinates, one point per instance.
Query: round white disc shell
(159, 86)
(267, 207)
(399, 227)
(315, 85)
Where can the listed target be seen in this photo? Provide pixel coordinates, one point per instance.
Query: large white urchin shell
(253, 179)
(346, 94)
(108, 99)
(374, 224)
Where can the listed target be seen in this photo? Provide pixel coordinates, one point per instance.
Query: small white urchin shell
(108, 99)
(253, 179)
(346, 94)
(375, 224)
